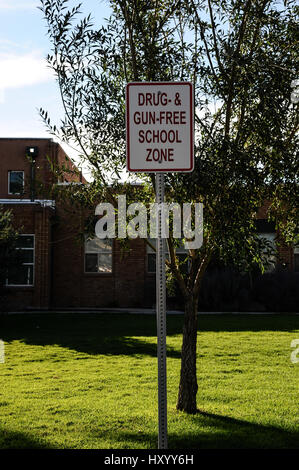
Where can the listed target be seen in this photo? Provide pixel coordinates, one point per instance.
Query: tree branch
(203, 38)
(234, 66)
(131, 39)
(215, 40)
(201, 270)
(173, 264)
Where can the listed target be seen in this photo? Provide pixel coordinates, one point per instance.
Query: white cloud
(18, 71)
(17, 5)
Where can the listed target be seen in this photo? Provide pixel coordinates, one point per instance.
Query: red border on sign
(182, 170)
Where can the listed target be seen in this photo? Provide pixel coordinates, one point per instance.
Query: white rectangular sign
(160, 128)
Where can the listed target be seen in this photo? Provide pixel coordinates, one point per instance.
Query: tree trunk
(188, 380)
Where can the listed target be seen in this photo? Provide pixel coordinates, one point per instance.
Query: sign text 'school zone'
(160, 127)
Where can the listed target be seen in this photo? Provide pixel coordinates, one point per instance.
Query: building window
(98, 255)
(15, 182)
(269, 256)
(21, 273)
(296, 258)
(181, 254)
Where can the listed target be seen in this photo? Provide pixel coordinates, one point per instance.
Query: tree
(241, 57)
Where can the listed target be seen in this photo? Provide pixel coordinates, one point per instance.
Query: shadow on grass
(87, 333)
(223, 432)
(20, 440)
(123, 334)
(213, 432)
(249, 322)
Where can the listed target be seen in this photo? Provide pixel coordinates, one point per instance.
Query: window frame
(26, 264)
(150, 252)
(111, 253)
(8, 182)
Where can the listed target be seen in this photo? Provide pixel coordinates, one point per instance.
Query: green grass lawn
(90, 381)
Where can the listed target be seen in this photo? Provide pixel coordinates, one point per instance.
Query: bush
(220, 290)
(224, 289)
(277, 291)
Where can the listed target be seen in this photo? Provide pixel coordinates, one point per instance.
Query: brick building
(57, 270)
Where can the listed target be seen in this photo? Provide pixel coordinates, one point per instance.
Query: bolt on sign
(160, 128)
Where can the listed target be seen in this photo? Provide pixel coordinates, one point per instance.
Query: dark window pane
(264, 226)
(26, 256)
(91, 263)
(151, 262)
(25, 241)
(96, 245)
(153, 243)
(16, 182)
(21, 275)
(105, 263)
(296, 262)
(30, 274)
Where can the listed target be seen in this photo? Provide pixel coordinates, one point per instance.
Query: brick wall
(12, 157)
(33, 219)
(72, 287)
(70, 172)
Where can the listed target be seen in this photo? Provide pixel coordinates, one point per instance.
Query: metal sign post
(160, 139)
(161, 314)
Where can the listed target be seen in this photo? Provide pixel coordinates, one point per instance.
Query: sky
(26, 83)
